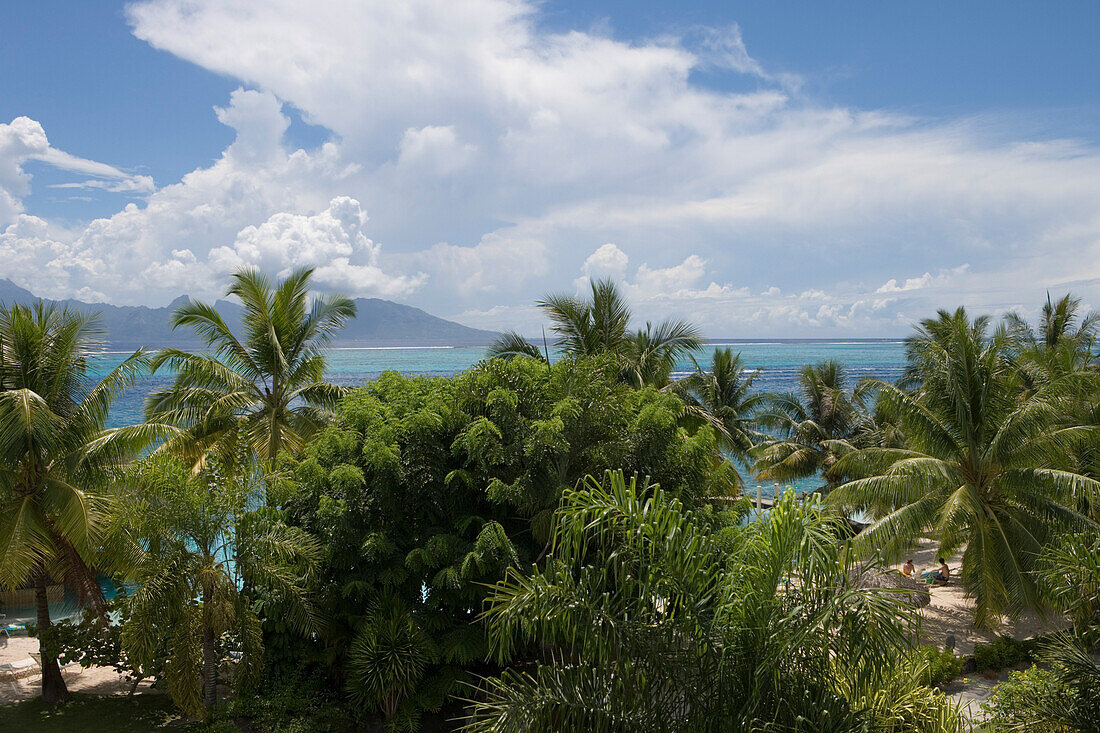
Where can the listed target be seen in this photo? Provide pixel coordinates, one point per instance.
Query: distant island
(379, 323)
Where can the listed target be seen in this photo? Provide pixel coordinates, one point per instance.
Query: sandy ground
(950, 609)
(94, 680)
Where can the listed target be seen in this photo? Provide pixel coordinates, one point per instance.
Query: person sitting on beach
(908, 568)
(943, 574)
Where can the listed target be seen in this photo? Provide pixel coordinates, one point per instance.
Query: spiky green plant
(983, 471)
(57, 460)
(643, 621)
(272, 376)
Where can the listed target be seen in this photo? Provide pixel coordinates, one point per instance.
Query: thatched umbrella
(918, 597)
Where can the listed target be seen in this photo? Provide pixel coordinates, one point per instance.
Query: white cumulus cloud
(495, 156)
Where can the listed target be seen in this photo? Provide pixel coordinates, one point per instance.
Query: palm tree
(201, 547)
(651, 353)
(721, 397)
(510, 345)
(642, 620)
(1059, 322)
(813, 427)
(983, 470)
(586, 327)
(272, 377)
(600, 325)
(57, 460)
(1062, 342)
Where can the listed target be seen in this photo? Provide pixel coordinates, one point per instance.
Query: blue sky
(780, 168)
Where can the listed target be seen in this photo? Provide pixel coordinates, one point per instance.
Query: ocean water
(778, 362)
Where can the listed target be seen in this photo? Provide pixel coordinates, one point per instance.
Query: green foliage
(1069, 571)
(271, 377)
(301, 702)
(58, 463)
(1020, 702)
(812, 428)
(941, 665)
(641, 621)
(96, 641)
(429, 489)
(93, 714)
(720, 396)
(1065, 697)
(982, 470)
(599, 325)
(1003, 652)
(200, 550)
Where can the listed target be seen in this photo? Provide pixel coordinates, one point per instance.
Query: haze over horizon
(762, 172)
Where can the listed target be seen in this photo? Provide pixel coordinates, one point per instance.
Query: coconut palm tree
(202, 551)
(983, 471)
(511, 344)
(586, 327)
(642, 620)
(1062, 342)
(651, 353)
(57, 460)
(272, 376)
(1058, 322)
(721, 396)
(600, 324)
(812, 427)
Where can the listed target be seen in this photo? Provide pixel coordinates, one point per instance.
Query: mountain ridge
(378, 323)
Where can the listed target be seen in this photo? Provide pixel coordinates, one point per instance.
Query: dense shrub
(298, 703)
(1063, 697)
(428, 489)
(1002, 652)
(1021, 701)
(942, 666)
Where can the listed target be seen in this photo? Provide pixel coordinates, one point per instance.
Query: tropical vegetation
(982, 471)
(271, 376)
(58, 461)
(553, 539)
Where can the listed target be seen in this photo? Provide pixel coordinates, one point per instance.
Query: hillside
(379, 323)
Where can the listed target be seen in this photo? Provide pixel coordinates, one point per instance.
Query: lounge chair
(13, 671)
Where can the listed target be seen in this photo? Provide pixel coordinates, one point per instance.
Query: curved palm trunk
(53, 684)
(209, 653)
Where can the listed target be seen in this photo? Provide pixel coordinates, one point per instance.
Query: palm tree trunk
(53, 684)
(209, 654)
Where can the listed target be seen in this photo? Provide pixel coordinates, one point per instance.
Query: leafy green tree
(812, 428)
(272, 376)
(428, 489)
(982, 470)
(57, 460)
(201, 544)
(642, 620)
(600, 324)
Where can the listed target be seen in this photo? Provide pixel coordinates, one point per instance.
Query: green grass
(88, 714)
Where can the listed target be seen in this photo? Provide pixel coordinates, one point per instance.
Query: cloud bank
(498, 161)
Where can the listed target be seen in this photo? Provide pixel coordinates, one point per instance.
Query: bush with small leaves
(942, 665)
(1002, 652)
